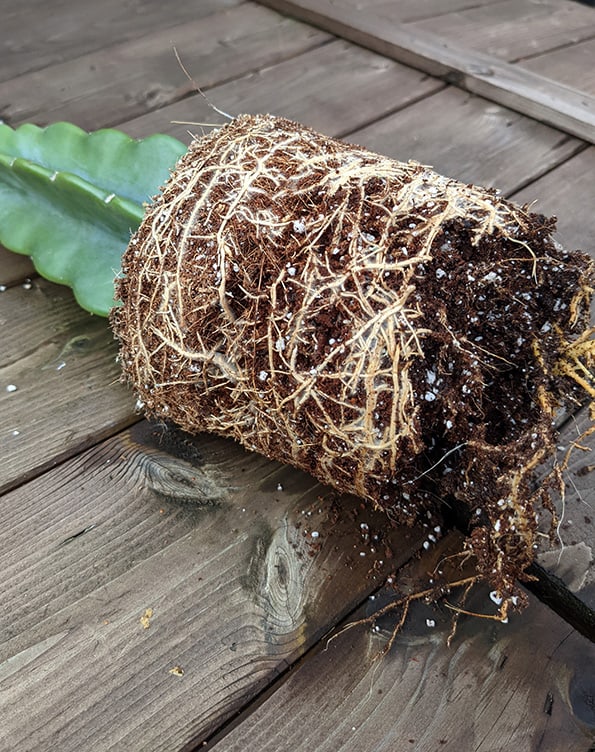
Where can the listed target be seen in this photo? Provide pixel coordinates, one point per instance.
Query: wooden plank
(413, 10)
(569, 193)
(319, 88)
(472, 139)
(128, 79)
(572, 65)
(62, 362)
(37, 34)
(217, 542)
(578, 523)
(515, 29)
(526, 685)
(14, 268)
(522, 90)
(566, 571)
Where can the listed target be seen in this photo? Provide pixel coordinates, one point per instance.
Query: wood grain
(38, 34)
(515, 29)
(125, 80)
(525, 685)
(14, 268)
(62, 362)
(522, 90)
(217, 543)
(569, 193)
(411, 10)
(578, 523)
(335, 88)
(572, 65)
(501, 149)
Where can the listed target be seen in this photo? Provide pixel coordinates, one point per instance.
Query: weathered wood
(37, 34)
(526, 685)
(471, 139)
(335, 88)
(515, 29)
(565, 573)
(569, 193)
(126, 80)
(578, 522)
(412, 10)
(508, 85)
(572, 65)
(14, 268)
(220, 545)
(62, 362)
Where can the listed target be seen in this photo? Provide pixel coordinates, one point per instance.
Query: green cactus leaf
(70, 200)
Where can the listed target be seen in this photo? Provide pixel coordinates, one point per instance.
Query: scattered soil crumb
(145, 619)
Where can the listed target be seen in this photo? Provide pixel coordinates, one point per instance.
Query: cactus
(70, 200)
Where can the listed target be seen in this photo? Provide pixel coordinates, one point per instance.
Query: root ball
(395, 333)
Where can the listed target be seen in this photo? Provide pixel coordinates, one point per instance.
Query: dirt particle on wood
(145, 619)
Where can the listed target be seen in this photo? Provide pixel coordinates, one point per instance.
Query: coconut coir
(395, 333)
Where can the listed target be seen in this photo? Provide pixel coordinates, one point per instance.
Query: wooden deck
(165, 592)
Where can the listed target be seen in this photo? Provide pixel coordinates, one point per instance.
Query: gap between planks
(408, 11)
